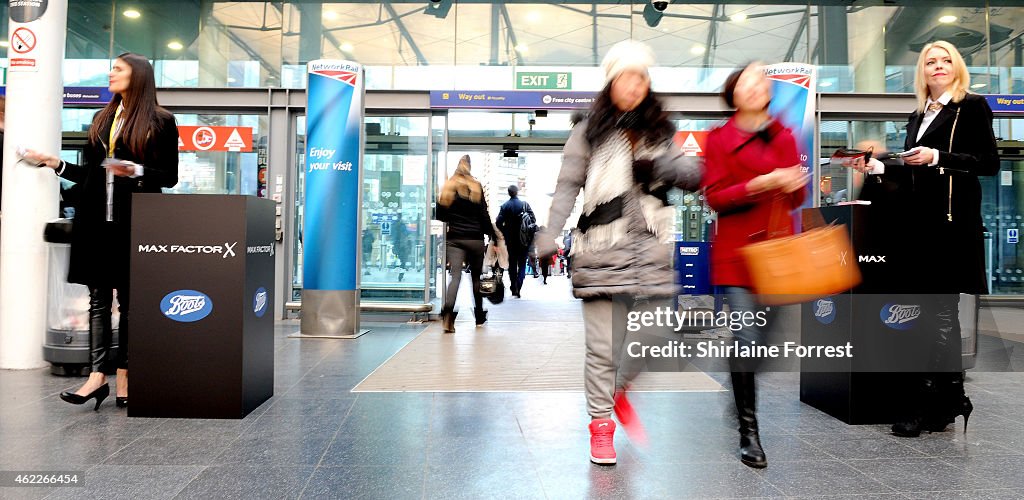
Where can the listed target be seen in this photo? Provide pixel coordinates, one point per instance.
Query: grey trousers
(606, 368)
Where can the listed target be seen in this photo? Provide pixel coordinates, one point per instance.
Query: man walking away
(514, 215)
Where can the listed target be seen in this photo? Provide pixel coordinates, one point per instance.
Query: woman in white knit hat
(624, 159)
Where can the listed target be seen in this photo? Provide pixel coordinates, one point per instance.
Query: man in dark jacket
(510, 220)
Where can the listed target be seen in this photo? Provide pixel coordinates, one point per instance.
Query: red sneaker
(602, 441)
(629, 419)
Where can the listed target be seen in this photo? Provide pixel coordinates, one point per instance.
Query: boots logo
(875, 259)
(226, 250)
(259, 302)
(186, 306)
(825, 311)
(900, 316)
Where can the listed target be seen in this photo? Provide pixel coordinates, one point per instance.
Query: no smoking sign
(23, 40)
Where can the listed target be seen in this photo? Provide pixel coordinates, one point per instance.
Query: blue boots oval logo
(900, 316)
(186, 306)
(825, 311)
(259, 302)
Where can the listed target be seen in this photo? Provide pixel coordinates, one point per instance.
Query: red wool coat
(742, 217)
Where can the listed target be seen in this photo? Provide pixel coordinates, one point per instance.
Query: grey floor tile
(863, 447)
(67, 452)
(362, 482)
(474, 450)
(820, 477)
(288, 425)
(469, 424)
(130, 482)
(699, 481)
(310, 406)
(512, 480)
(403, 450)
(908, 475)
(170, 451)
(955, 444)
(247, 482)
(572, 450)
(999, 471)
(201, 428)
(996, 494)
(267, 451)
(584, 480)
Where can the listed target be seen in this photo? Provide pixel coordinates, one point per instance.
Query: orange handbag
(789, 269)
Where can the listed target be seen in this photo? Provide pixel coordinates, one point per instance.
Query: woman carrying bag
(463, 207)
(133, 148)
(752, 167)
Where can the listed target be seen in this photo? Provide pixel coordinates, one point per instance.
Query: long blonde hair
(461, 183)
(961, 77)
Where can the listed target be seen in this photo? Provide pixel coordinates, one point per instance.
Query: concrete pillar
(30, 197)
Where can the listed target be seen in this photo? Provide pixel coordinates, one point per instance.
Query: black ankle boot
(922, 414)
(751, 453)
(481, 316)
(448, 320)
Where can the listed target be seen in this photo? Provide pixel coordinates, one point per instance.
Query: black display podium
(886, 330)
(202, 320)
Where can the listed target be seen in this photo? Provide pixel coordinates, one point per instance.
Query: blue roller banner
(334, 149)
(793, 104)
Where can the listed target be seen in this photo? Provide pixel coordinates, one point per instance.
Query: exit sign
(543, 81)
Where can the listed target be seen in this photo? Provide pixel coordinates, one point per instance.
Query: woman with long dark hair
(133, 148)
(624, 158)
(463, 207)
(752, 165)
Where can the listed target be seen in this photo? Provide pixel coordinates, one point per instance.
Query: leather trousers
(101, 334)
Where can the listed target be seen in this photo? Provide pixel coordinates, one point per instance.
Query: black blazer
(938, 209)
(99, 249)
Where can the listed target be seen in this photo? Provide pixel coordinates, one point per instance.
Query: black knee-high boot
(744, 391)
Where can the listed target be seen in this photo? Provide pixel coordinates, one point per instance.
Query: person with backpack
(518, 224)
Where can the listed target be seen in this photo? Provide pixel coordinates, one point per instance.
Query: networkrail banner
(334, 148)
(794, 104)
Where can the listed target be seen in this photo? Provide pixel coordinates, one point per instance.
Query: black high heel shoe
(121, 401)
(964, 408)
(100, 394)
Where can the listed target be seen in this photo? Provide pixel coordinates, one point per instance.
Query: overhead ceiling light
(979, 85)
(522, 48)
(330, 15)
(132, 14)
(698, 50)
(346, 47)
(947, 19)
(438, 8)
(825, 84)
(5, 44)
(231, 80)
(175, 45)
(738, 17)
(533, 16)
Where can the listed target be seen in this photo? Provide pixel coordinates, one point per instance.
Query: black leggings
(464, 252)
(101, 334)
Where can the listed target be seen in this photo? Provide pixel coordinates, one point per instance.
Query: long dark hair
(648, 121)
(142, 113)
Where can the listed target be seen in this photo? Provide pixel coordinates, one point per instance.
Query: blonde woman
(463, 207)
(950, 143)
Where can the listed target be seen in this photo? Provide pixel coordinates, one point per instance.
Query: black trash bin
(66, 345)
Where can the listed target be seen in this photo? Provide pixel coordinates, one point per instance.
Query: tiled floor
(315, 439)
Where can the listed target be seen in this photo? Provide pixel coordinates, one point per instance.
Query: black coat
(510, 222)
(466, 220)
(100, 250)
(935, 215)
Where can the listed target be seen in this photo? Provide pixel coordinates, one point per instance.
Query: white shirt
(929, 117)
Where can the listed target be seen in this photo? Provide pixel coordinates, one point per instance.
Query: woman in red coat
(751, 162)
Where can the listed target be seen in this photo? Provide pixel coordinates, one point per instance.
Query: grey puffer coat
(638, 264)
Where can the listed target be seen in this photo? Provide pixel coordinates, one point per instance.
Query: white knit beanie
(627, 55)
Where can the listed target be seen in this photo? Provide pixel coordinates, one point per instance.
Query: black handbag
(492, 287)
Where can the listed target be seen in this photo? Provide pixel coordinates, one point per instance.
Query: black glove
(643, 171)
